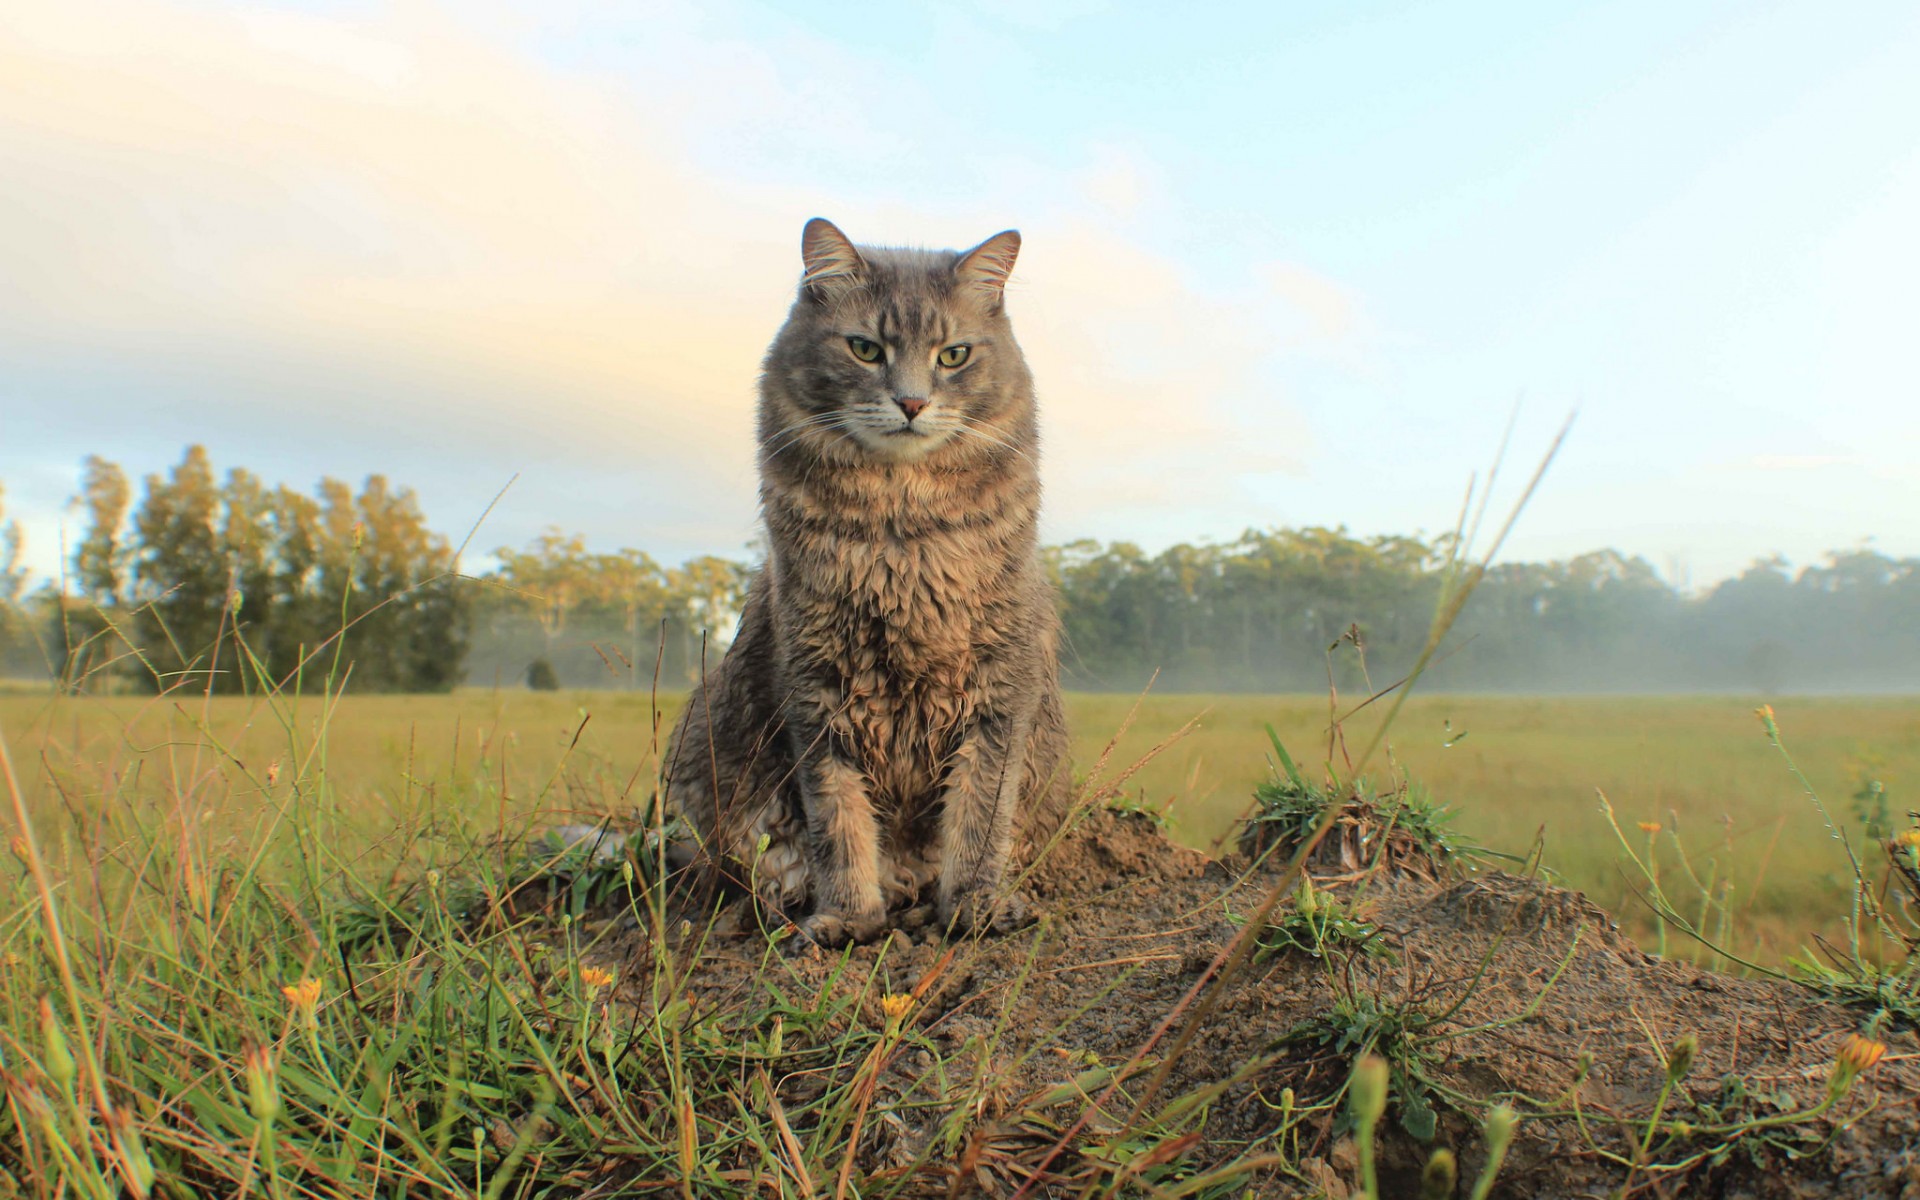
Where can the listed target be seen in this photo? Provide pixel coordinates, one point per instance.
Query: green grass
(1508, 768)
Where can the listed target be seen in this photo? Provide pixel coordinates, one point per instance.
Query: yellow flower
(303, 996)
(595, 978)
(263, 1085)
(1858, 1053)
(1907, 837)
(1764, 712)
(896, 1006)
(1649, 827)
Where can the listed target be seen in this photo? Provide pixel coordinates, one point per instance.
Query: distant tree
(236, 586)
(541, 677)
(15, 625)
(181, 579)
(92, 627)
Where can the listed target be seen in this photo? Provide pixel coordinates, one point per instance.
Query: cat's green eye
(864, 350)
(953, 356)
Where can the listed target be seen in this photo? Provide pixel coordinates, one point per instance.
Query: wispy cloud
(398, 229)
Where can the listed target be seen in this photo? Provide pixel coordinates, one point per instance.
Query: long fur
(888, 716)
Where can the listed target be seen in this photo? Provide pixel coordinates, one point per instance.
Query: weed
(1322, 923)
(1878, 967)
(1400, 827)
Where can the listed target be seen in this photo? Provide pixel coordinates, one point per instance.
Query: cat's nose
(913, 406)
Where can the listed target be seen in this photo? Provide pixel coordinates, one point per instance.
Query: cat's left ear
(987, 265)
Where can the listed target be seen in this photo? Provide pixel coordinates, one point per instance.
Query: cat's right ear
(832, 263)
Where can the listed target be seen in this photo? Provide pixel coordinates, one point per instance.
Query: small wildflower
(1583, 1067)
(1765, 713)
(1501, 1122)
(305, 994)
(1440, 1177)
(133, 1150)
(59, 1063)
(1680, 1058)
(895, 1007)
(304, 999)
(1369, 1090)
(273, 772)
(1649, 827)
(19, 847)
(39, 1113)
(1909, 838)
(1859, 1053)
(1303, 899)
(263, 1090)
(595, 978)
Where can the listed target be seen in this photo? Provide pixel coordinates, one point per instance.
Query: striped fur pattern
(886, 730)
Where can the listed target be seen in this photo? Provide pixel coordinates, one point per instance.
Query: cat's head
(894, 355)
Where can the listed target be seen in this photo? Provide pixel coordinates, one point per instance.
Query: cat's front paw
(830, 930)
(981, 911)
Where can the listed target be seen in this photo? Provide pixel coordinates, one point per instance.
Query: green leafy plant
(1400, 826)
(1322, 923)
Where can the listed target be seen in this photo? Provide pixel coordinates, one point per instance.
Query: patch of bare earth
(1518, 979)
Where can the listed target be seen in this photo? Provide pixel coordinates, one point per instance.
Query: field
(300, 948)
(1511, 768)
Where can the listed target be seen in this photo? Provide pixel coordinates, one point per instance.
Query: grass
(298, 947)
(1507, 767)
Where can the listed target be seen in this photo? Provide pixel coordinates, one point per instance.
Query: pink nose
(913, 406)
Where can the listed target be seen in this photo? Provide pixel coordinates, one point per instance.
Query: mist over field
(160, 577)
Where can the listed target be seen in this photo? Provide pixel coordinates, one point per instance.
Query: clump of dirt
(1497, 989)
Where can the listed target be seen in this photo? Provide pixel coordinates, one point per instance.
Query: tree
(15, 638)
(182, 579)
(97, 646)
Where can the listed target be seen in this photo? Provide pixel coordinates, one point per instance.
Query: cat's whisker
(991, 440)
(792, 433)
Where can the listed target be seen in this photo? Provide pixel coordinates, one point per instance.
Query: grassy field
(1510, 767)
(281, 949)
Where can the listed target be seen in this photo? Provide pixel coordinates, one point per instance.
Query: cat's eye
(863, 349)
(953, 356)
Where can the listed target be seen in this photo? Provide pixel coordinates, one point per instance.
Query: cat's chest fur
(896, 636)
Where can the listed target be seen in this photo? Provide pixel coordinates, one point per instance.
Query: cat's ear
(831, 261)
(987, 265)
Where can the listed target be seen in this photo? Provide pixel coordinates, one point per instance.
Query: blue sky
(1282, 266)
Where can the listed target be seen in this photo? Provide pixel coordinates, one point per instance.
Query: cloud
(314, 235)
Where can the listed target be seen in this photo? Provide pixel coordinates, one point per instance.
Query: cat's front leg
(979, 808)
(844, 839)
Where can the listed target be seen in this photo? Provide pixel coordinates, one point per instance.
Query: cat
(888, 716)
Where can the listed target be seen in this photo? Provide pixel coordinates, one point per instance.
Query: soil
(1522, 981)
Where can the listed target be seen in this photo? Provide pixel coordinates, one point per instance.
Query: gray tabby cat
(888, 715)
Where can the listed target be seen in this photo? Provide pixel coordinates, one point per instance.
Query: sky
(1282, 265)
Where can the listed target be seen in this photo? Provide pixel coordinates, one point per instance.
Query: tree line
(230, 585)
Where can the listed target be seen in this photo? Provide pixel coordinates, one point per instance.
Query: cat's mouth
(904, 443)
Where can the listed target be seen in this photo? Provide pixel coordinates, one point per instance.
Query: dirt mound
(1481, 988)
